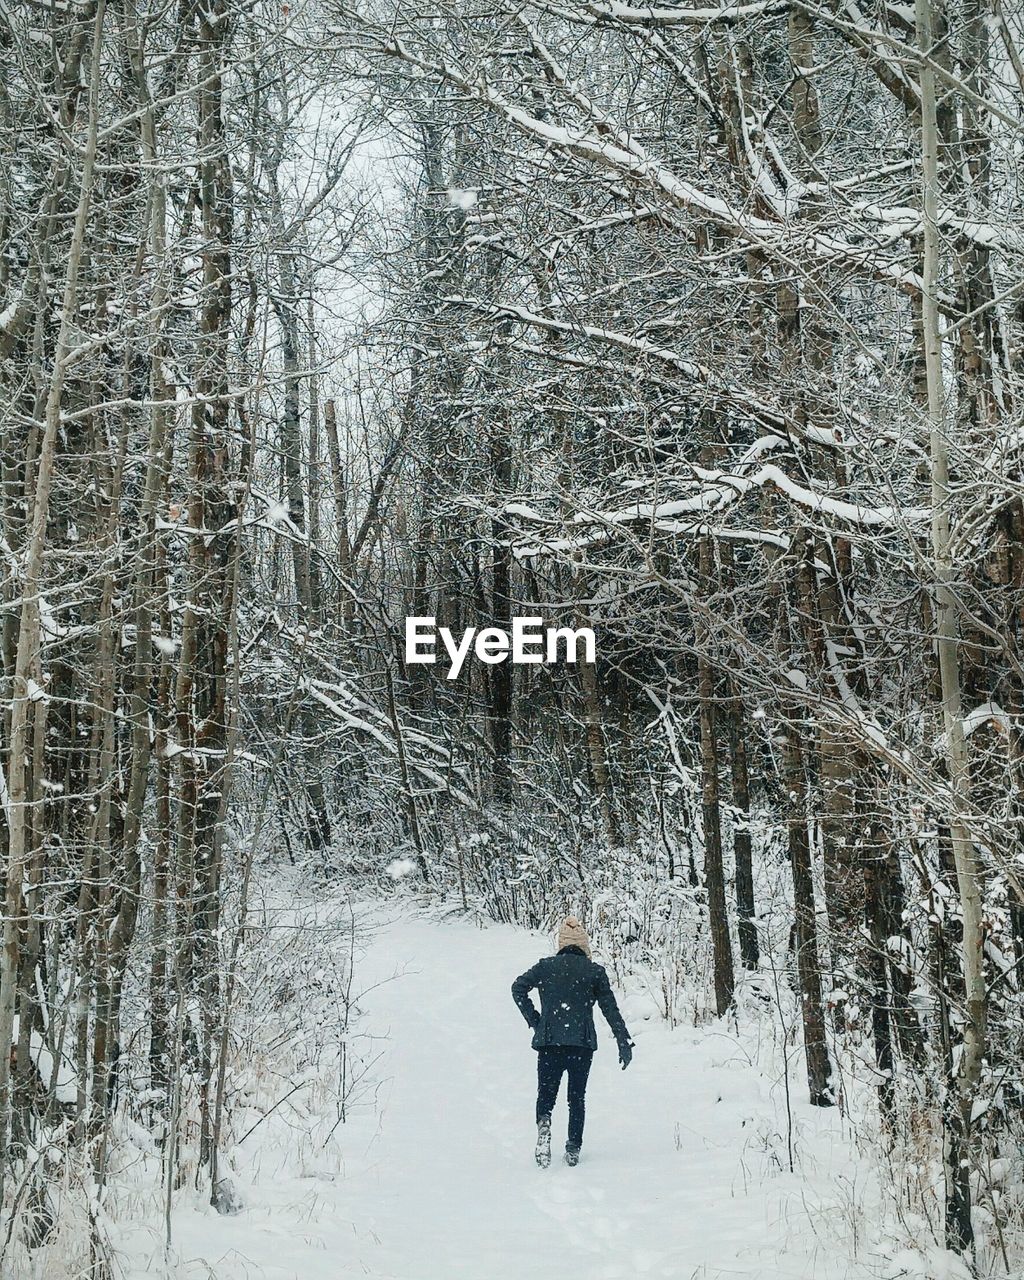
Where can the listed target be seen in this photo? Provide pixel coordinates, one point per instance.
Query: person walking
(569, 983)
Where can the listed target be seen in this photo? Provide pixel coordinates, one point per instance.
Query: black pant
(551, 1063)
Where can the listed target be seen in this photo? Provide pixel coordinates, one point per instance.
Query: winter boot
(572, 1156)
(543, 1151)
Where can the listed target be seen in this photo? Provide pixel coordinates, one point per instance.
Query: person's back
(569, 984)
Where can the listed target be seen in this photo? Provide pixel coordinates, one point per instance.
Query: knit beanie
(572, 934)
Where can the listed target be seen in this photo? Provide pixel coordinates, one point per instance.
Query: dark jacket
(568, 984)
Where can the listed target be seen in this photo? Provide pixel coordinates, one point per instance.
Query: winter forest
(697, 325)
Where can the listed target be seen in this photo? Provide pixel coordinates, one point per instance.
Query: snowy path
(683, 1173)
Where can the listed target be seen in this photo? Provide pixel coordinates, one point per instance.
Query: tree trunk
(958, 1225)
(819, 1069)
(746, 907)
(339, 485)
(593, 720)
(19, 854)
(714, 871)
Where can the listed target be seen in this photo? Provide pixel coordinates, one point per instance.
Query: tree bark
(968, 873)
(746, 906)
(714, 871)
(28, 630)
(819, 1069)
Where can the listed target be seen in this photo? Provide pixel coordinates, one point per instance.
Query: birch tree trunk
(968, 874)
(27, 650)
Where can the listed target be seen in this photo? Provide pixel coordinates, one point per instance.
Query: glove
(625, 1054)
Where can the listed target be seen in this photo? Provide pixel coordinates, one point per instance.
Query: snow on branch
(384, 736)
(907, 222)
(721, 490)
(681, 15)
(626, 157)
(714, 383)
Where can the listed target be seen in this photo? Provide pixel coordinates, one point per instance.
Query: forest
(697, 324)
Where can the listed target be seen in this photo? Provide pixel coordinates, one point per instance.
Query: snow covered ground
(685, 1169)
